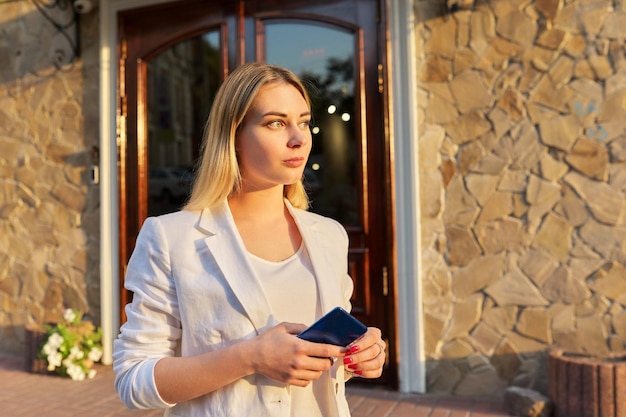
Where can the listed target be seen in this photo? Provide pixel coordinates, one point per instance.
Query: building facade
(501, 168)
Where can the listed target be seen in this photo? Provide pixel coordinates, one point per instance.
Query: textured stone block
(525, 402)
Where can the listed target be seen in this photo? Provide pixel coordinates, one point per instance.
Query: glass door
(325, 57)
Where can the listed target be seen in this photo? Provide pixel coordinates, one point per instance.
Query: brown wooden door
(173, 56)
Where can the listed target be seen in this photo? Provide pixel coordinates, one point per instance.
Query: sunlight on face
(274, 141)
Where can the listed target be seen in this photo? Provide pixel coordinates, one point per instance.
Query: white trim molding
(402, 25)
(109, 235)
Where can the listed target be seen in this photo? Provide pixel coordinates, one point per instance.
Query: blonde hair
(218, 174)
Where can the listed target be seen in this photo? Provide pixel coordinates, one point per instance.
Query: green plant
(72, 346)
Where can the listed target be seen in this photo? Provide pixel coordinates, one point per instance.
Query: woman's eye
(305, 124)
(275, 124)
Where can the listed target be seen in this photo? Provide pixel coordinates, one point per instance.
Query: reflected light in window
(345, 117)
(315, 130)
(332, 109)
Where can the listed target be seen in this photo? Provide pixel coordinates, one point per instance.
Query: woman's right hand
(279, 355)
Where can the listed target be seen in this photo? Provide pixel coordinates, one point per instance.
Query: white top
(289, 285)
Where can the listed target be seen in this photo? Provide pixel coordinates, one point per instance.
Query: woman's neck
(265, 204)
(265, 225)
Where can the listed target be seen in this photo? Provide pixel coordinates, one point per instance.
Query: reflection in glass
(324, 58)
(182, 82)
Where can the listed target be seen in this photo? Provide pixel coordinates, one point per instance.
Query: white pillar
(412, 367)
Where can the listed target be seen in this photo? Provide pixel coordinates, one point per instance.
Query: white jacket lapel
(230, 255)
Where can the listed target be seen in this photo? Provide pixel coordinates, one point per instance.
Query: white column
(412, 367)
(109, 248)
(109, 226)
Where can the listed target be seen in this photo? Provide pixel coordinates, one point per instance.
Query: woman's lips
(294, 162)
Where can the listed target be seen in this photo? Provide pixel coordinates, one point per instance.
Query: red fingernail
(358, 372)
(353, 366)
(354, 349)
(347, 361)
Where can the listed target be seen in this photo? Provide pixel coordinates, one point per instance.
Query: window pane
(182, 82)
(324, 58)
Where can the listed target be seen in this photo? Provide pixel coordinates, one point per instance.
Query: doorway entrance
(174, 56)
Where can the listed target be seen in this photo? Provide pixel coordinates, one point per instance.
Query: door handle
(385, 281)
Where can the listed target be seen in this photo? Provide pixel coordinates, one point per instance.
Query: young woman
(222, 287)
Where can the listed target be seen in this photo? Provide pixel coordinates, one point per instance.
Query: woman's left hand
(366, 356)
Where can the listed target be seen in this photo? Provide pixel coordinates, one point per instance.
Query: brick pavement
(23, 394)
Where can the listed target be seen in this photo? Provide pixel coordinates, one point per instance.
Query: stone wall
(48, 206)
(522, 108)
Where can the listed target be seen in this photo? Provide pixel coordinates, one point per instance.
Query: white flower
(95, 354)
(55, 340)
(76, 372)
(54, 360)
(69, 315)
(48, 349)
(91, 373)
(76, 353)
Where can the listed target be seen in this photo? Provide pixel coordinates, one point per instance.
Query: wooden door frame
(401, 130)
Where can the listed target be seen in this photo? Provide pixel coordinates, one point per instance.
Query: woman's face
(274, 140)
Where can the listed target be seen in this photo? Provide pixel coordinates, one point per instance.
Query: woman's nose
(298, 137)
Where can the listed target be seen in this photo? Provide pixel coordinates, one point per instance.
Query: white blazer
(195, 291)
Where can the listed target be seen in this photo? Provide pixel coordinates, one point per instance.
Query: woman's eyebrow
(277, 113)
